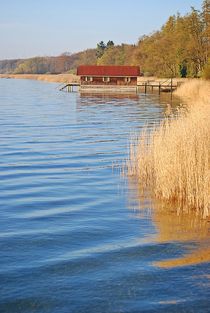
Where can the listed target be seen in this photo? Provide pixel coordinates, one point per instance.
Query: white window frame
(127, 79)
(106, 79)
(88, 78)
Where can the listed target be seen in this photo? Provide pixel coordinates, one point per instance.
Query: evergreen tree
(100, 49)
(110, 44)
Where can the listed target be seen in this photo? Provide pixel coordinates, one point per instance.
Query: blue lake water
(73, 237)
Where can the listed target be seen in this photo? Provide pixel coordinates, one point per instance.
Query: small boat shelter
(108, 77)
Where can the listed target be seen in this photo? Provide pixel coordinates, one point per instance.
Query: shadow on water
(186, 229)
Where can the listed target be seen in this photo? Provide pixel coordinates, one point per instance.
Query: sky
(50, 27)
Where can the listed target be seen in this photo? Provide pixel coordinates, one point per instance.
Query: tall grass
(172, 160)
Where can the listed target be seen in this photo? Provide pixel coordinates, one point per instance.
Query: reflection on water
(183, 227)
(173, 225)
(105, 96)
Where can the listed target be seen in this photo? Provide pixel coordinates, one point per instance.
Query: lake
(74, 235)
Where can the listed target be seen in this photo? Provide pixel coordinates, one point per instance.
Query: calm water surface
(73, 237)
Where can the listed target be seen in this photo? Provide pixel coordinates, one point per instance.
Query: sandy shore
(57, 78)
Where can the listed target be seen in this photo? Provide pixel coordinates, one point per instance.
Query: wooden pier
(145, 86)
(162, 86)
(69, 87)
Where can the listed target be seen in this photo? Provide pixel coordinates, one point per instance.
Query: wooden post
(171, 85)
(145, 88)
(159, 88)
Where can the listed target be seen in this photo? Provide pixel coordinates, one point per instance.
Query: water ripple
(69, 241)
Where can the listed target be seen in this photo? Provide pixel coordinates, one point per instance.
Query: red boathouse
(108, 77)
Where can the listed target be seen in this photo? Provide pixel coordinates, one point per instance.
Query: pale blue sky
(49, 27)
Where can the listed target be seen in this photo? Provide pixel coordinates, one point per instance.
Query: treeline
(180, 49)
(53, 65)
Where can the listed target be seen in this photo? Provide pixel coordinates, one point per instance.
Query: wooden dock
(147, 86)
(69, 87)
(112, 89)
(162, 86)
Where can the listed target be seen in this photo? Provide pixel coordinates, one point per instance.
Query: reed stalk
(172, 160)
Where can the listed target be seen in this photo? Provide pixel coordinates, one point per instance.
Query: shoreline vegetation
(53, 78)
(171, 160)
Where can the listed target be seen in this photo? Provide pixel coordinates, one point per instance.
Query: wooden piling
(145, 88)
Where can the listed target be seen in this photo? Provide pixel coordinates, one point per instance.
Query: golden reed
(172, 160)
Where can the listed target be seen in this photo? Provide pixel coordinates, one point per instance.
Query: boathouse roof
(108, 70)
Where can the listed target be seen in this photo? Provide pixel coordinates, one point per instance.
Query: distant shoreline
(53, 78)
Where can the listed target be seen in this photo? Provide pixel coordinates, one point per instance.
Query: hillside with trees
(181, 48)
(63, 63)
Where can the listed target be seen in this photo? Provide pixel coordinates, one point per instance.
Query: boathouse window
(88, 78)
(127, 79)
(106, 79)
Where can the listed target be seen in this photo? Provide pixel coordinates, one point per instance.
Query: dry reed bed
(172, 159)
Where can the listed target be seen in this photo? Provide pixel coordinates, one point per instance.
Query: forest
(181, 48)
